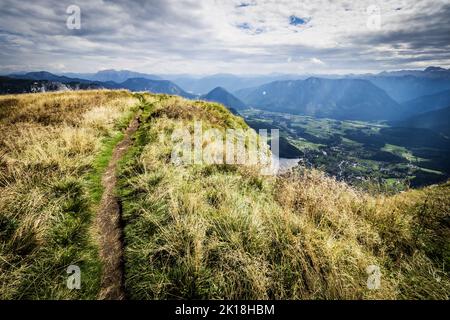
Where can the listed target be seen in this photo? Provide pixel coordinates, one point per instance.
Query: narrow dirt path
(109, 222)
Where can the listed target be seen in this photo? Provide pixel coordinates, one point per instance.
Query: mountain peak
(218, 89)
(222, 96)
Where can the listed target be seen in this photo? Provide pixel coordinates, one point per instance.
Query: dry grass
(197, 231)
(226, 232)
(216, 115)
(48, 146)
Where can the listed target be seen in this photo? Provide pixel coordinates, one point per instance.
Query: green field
(358, 152)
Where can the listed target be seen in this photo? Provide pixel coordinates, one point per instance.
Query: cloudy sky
(224, 36)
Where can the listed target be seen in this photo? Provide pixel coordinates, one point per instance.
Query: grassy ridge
(53, 150)
(226, 232)
(197, 231)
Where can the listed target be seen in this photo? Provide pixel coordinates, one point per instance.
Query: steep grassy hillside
(227, 232)
(53, 148)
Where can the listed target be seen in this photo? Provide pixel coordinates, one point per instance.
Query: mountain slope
(121, 76)
(154, 86)
(44, 75)
(229, 82)
(428, 103)
(351, 99)
(222, 96)
(429, 72)
(12, 86)
(437, 120)
(45, 81)
(408, 87)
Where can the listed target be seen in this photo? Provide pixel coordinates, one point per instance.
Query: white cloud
(317, 61)
(189, 36)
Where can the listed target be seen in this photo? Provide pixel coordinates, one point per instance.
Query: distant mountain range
(384, 96)
(15, 86)
(105, 76)
(428, 81)
(408, 87)
(44, 75)
(112, 75)
(351, 99)
(430, 72)
(228, 82)
(45, 81)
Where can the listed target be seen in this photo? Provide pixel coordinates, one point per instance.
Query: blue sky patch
(296, 21)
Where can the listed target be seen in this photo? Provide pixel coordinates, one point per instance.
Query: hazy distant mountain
(229, 82)
(112, 75)
(401, 85)
(121, 76)
(14, 86)
(333, 98)
(428, 103)
(437, 120)
(222, 96)
(44, 75)
(154, 86)
(430, 72)
(45, 81)
(408, 87)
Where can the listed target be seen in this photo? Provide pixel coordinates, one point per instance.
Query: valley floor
(195, 231)
(361, 152)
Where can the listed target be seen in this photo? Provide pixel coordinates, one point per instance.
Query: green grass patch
(100, 164)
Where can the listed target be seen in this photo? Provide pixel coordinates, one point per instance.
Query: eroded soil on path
(109, 223)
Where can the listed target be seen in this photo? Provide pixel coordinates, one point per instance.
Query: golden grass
(198, 231)
(226, 232)
(48, 146)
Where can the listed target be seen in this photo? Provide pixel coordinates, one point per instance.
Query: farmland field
(357, 151)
